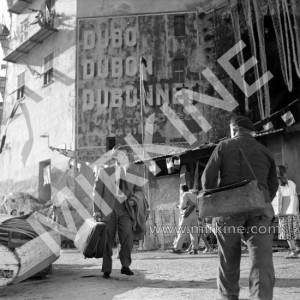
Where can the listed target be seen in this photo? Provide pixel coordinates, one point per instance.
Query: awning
(282, 118)
(186, 154)
(29, 44)
(19, 5)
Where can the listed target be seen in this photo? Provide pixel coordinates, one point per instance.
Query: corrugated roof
(269, 132)
(179, 152)
(42, 34)
(184, 151)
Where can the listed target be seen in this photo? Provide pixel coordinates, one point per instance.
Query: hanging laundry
(259, 17)
(268, 126)
(277, 9)
(296, 21)
(247, 9)
(176, 162)
(235, 19)
(153, 167)
(170, 165)
(288, 118)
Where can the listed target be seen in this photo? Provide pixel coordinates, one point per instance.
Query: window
(21, 86)
(44, 187)
(179, 25)
(110, 143)
(24, 27)
(178, 69)
(48, 68)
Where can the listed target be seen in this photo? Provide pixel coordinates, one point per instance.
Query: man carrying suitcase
(116, 191)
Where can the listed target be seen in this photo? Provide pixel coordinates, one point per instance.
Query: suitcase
(90, 238)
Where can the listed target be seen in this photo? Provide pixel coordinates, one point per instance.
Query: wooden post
(196, 177)
(192, 175)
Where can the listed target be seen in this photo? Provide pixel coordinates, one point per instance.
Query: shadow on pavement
(78, 281)
(86, 282)
(287, 282)
(179, 256)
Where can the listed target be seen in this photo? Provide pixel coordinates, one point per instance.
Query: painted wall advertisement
(108, 82)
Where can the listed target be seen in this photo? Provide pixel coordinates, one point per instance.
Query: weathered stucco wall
(108, 76)
(92, 8)
(164, 192)
(45, 108)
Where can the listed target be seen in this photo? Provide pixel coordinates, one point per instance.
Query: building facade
(40, 52)
(82, 75)
(74, 70)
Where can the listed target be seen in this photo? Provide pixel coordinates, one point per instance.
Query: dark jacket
(233, 168)
(105, 187)
(138, 212)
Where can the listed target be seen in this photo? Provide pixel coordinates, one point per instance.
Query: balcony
(18, 6)
(41, 35)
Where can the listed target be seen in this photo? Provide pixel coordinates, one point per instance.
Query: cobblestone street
(158, 275)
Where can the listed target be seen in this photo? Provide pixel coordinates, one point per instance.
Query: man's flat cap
(242, 122)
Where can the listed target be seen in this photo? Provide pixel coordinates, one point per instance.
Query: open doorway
(45, 180)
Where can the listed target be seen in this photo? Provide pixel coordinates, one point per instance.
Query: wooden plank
(37, 254)
(9, 266)
(41, 266)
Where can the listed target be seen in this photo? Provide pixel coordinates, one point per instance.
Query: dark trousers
(258, 233)
(119, 220)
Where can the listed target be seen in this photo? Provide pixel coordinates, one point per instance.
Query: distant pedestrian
(188, 221)
(288, 212)
(204, 232)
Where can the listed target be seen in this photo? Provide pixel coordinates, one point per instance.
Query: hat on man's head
(120, 147)
(244, 122)
(119, 152)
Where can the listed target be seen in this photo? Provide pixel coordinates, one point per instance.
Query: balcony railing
(36, 39)
(19, 5)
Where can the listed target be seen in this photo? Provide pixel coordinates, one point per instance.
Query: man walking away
(226, 165)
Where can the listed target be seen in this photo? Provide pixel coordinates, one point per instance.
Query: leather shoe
(176, 251)
(126, 271)
(106, 275)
